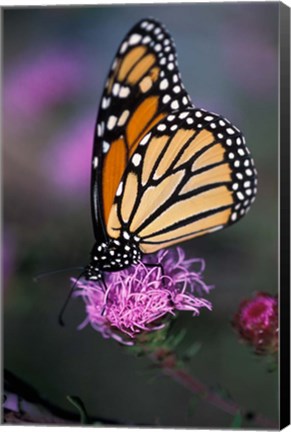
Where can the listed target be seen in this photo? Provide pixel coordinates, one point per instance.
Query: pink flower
(139, 298)
(37, 83)
(257, 322)
(68, 158)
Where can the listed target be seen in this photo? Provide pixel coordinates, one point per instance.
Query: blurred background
(55, 64)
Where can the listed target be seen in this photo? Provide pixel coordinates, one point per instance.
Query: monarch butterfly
(163, 171)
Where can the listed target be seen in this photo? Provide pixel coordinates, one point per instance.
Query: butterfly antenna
(42, 275)
(64, 307)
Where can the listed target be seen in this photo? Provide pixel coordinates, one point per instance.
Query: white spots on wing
(171, 117)
(111, 122)
(189, 121)
(175, 78)
(136, 159)
(120, 188)
(208, 118)
(145, 139)
(230, 131)
(134, 39)
(95, 162)
(174, 127)
(122, 119)
(241, 152)
(146, 40)
(228, 142)
(126, 235)
(105, 146)
(238, 141)
(144, 24)
(163, 61)
(123, 47)
(158, 47)
(185, 100)
(115, 89)
(124, 92)
(240, 196)
(220, 135)
(177, 89)
(198, 114)
(234, 216)
(105, 102)
(175, 104)
(231, 155)
(150, 26)
(235, 186)
(100, 129)
(161, 127)
(164, 84)
(249, 172)
(183, 115)
(222, 123)
(166, 98)
(114, 64)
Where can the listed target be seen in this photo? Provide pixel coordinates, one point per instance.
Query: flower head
(257, 322)
(37, 83)
(138, 299)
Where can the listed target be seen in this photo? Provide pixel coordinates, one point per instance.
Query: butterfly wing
(143, 86)
(192, 174)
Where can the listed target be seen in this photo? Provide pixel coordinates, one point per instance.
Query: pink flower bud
(257, 322)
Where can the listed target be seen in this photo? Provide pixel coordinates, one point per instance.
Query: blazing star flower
(68, 156)
(40, 82)
(257, 322)
(138, 299)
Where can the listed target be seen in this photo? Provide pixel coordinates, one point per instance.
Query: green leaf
(176, 339)
(237, 421)
(193, 350)
(77, 403)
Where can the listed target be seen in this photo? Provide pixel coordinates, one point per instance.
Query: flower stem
(181, 376)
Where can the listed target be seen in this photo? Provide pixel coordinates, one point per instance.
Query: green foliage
(237, 421)
(77, 403)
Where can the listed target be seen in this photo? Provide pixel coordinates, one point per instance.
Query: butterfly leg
(106, 294)
(157, 265)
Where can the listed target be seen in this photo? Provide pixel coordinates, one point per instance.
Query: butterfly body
(163, 171)
(112, 255)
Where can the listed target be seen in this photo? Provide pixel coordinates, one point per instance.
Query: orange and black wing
(192, 174)
(142, 88)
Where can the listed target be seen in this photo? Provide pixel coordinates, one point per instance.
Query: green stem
(181, 376)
